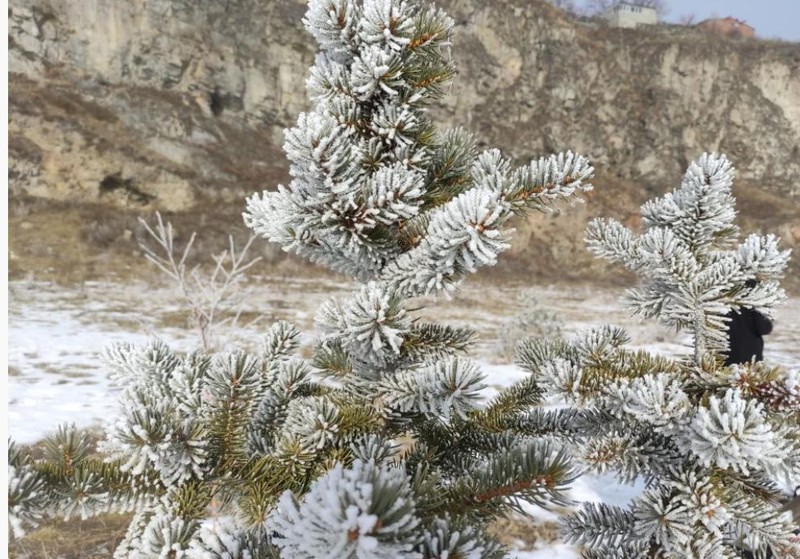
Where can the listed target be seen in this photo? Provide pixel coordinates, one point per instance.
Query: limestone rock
(169, 103)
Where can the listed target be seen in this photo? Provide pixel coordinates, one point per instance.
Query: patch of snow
(57, 335)
(549, 551)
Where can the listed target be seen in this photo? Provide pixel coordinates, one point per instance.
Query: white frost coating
(760, 255)
(656, 399)
(219, 538)
(662, 520)
(396, 124)
(363, 160)
(166, 537)
(557, 176)
(462, 236)
(281, 340)
(343, 516)
(562, 378)
(447, 388)
(396, 193)
(334, 24)
(131, 545)
(372, 325)
(694, 271)
(267, 215)
(372, 73)
(127, 362)
(444, 542)
(314, 420)
(159, 409)
(388, 22)
(491, 170)
(22, 514)
(731, 433)
(672, 514)
(712, 440)
(698, 498)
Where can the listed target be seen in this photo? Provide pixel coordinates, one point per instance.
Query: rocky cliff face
(173, 104)
(158, 103)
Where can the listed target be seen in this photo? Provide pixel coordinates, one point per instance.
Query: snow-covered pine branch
(715, 444)
(693, 271)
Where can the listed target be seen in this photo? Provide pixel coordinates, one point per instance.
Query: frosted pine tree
(693, 268)
(714, 444)
(380, 444)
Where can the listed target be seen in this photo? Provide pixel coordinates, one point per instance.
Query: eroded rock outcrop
(176, 103)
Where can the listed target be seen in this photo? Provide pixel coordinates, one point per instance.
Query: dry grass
(94, 538)
(73, 243)
(523, 532)
(97, 537)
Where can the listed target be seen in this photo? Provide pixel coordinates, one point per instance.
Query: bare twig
(214, 298)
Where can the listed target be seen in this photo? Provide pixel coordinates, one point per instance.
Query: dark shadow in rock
(115, 182)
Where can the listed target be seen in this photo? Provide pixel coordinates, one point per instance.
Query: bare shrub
(532, 321)
(214, 295)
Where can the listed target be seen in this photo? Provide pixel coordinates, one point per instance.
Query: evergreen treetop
(377, 192)
(692, 267)
(377, 446)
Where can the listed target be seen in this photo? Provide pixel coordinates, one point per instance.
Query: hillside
(120, 108)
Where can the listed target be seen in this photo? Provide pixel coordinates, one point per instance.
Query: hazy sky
(771, 18)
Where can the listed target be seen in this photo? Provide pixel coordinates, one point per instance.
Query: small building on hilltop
(729, 26)
(630, 14)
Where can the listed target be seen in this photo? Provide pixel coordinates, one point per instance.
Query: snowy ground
(56, 336)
